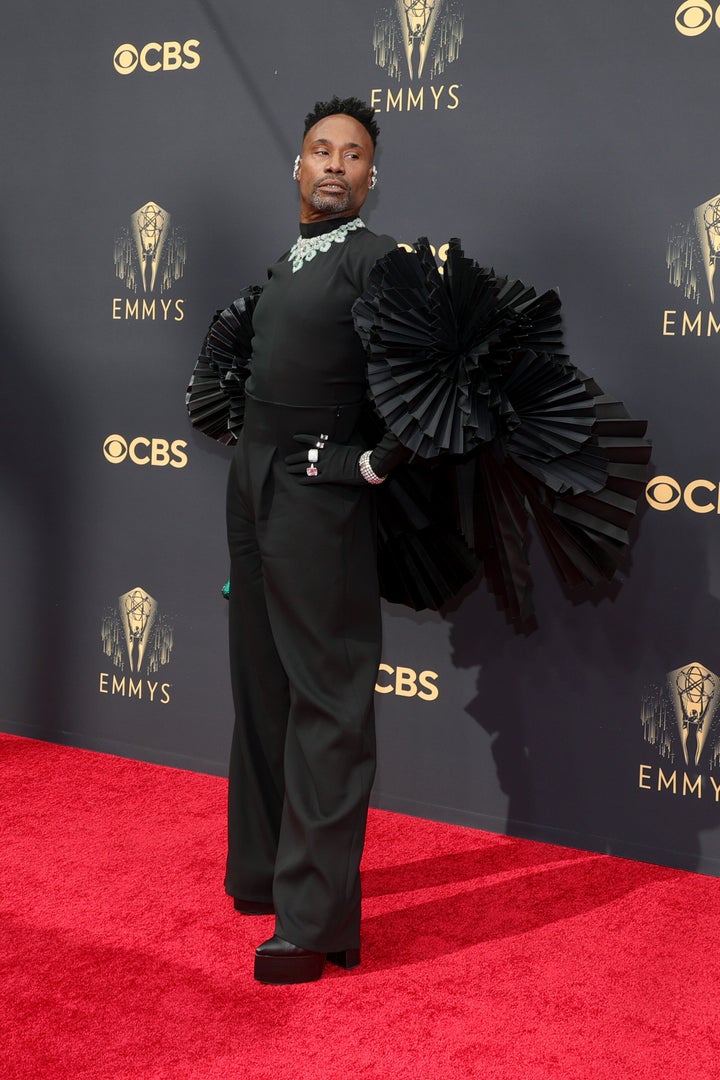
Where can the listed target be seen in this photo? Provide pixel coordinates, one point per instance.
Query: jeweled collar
(317, 236)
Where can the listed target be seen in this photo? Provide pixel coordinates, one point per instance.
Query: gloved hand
(388, 454)
(336, 464)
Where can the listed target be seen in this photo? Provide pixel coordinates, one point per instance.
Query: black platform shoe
(280, 963)
(252, 907)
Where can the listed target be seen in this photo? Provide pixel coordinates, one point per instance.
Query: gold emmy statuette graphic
(152, 252)
(707, 223)
(418, 17)
(694, 249)
(150, 225)
(693, 690)
(136, 634)
(427, 33)
(137, 613)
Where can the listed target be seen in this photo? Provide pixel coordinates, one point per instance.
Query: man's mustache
(331, 180)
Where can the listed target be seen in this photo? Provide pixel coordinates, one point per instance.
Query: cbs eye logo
(700, 496)
(694, 17)
(168, 56)
(144, 451)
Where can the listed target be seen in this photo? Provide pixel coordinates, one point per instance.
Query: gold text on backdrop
(682, 323)
(161, 310)
(404, 682)
(438, 97)
(157, 56)
(678, 783)
(144, 451)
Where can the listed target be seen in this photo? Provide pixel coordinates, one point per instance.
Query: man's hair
(352, 106)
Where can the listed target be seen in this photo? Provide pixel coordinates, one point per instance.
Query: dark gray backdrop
(583, 135)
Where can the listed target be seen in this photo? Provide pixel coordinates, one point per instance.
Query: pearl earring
(296, 167)
(373, 178)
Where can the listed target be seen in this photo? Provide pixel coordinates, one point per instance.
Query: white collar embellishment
(306, 248)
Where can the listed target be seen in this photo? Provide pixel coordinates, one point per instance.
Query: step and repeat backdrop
(147, 158)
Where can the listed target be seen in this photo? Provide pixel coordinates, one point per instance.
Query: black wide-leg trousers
(305, 637)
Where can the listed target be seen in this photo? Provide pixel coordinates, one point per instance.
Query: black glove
(336, 464)
(388, 454)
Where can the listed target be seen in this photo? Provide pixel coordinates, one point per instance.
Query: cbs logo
(700, 496)
(168, 56)
(404, 682)
(144, 451)
(694, 16)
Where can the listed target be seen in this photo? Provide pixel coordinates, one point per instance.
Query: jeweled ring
(312, 455)
(311, 470)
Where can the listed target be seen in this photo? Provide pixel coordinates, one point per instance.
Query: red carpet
(483, 956)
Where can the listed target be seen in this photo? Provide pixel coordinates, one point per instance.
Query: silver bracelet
(366, 470)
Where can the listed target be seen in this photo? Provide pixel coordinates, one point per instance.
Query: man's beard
(330, 202)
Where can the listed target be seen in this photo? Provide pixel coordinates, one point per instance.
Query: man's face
(334, 173)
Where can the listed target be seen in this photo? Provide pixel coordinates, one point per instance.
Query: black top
(305, 348)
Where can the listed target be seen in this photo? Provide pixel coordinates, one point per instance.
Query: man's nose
(335, 164)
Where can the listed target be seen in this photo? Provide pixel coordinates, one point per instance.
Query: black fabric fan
(438, 346)
(467, 368)
(215, 397)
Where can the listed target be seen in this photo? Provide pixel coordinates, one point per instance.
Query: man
(304, 601)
